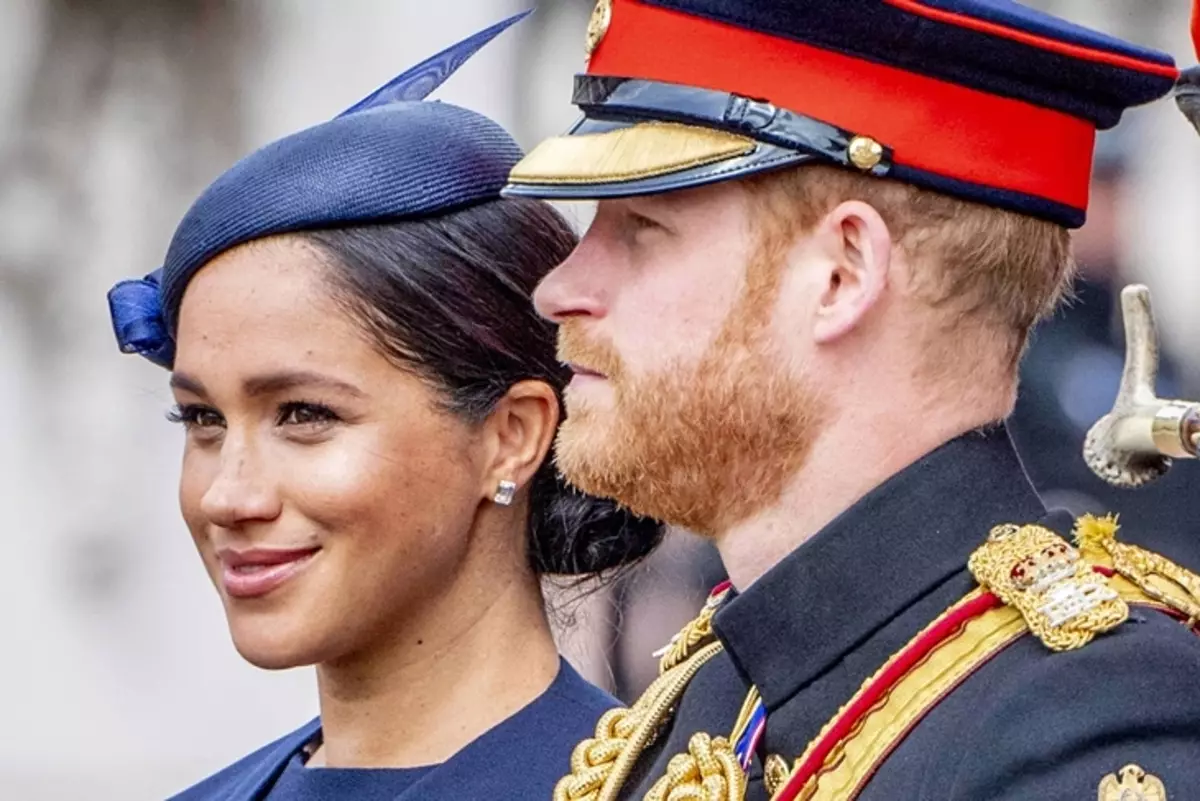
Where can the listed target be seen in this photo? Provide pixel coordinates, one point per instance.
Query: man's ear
(857, 249)
(519, 432)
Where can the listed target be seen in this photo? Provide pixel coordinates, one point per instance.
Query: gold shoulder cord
(709, 771)
(600, 765)
(1158, 577)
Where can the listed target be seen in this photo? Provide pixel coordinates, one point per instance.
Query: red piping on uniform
(941, 127)
(913, 653)
(904, 661)
(1196, 27)
(1032, 39)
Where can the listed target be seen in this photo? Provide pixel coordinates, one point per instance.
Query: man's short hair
(1004, 269)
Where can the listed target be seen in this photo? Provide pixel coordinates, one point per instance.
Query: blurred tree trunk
(172, 69)
(130, 108)
(124, 111)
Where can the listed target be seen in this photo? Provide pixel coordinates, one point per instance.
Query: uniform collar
(879, 556)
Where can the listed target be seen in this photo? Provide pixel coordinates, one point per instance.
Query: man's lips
(580, 370)
(257, 571)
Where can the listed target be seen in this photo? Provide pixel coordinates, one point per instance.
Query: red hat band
(932, 125)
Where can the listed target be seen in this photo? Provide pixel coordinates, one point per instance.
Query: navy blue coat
(1030, 724)
(520, 758)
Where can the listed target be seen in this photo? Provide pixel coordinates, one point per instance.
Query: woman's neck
(427, 691)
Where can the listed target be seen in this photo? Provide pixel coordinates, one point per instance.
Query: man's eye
(639, 223)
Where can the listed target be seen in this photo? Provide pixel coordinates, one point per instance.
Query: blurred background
(117, 678)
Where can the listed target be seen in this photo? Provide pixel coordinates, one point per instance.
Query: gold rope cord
(600, 765)
(1157, 576)
(691, 636)
(709, 771)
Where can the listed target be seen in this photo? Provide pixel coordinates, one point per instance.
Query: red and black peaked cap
(987, 100)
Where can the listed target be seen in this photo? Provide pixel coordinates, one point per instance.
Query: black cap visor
(644, 137)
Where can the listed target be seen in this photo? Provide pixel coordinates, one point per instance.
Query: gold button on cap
(865, 152)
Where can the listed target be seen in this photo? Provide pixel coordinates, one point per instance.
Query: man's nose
(573, 288)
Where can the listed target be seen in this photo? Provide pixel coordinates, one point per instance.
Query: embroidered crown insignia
(1063, 600)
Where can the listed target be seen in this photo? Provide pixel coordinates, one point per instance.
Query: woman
(369, 400)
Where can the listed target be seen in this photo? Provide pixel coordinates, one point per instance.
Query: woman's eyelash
(305, 413)
(194, 414)
(290, 413)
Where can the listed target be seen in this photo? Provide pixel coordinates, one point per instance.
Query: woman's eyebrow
(186, 383)
(271, 383)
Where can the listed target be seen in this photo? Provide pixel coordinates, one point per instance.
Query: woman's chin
(274, 647)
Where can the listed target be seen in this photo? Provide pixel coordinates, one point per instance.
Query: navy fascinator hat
(392, 155)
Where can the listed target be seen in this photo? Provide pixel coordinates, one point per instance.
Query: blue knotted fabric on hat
(390, 156)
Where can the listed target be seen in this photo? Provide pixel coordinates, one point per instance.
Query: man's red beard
(701, 446)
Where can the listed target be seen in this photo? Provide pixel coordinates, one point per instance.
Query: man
(824, 230)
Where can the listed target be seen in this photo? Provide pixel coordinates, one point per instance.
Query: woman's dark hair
(449, 298)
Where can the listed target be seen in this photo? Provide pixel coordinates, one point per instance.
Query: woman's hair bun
(572, 533)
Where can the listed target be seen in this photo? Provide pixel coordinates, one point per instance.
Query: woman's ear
(519, 431)
(858, 246)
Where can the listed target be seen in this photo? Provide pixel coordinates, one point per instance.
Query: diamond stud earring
(504, 493)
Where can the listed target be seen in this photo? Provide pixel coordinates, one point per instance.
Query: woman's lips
(256, 572)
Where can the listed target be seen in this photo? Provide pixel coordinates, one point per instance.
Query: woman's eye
(305, 414)
(194, 415)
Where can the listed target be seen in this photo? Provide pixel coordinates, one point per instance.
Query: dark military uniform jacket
(1029, 724)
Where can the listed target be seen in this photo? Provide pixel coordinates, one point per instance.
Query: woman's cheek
(378, 472)
(195, 478)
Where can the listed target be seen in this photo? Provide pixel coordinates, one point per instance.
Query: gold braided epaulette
(1063, 600)
(1069, 595)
